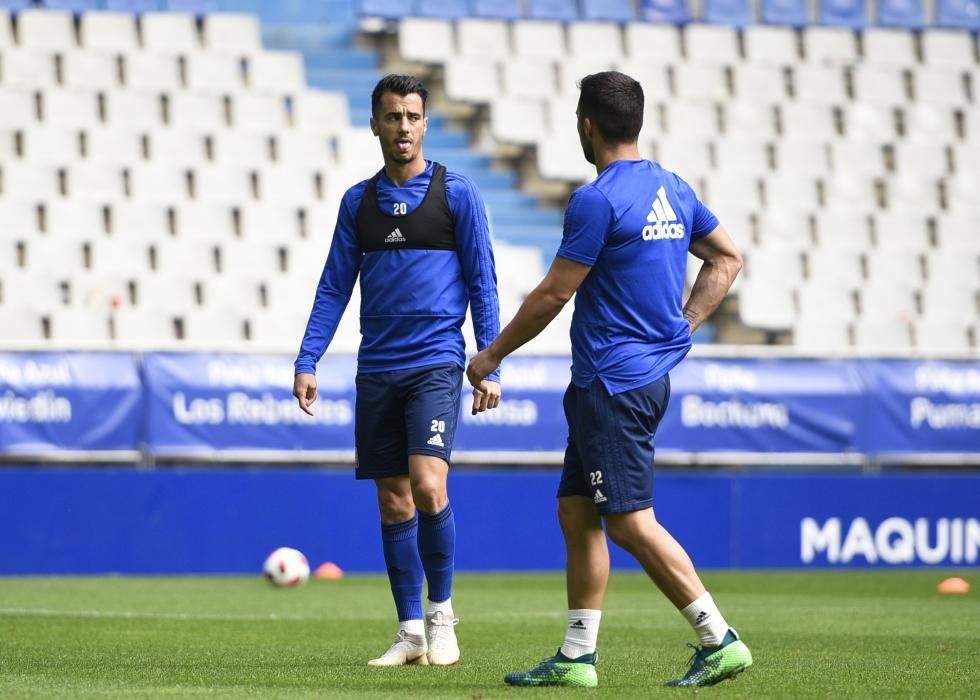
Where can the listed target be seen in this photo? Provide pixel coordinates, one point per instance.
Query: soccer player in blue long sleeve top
(417, 236)
(623, 255)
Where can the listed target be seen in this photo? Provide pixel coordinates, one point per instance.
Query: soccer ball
(286, 567)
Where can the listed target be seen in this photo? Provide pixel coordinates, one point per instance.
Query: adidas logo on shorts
(436, 441)
(599, 497)
(662, 220)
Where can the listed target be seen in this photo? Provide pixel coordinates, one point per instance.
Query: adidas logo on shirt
(662, 221)
(436, 441)
(599, 498)
(395, 237)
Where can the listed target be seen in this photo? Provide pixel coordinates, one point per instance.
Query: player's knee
(623, 530)
(429, 493)
(395, 506)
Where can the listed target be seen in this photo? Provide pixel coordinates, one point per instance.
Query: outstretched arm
(722, 263)
(538, 310)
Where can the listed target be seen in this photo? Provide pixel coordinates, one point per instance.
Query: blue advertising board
(53, 401)
(223, 520)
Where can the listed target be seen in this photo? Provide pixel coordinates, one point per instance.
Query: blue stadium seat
(453, 9)
(498, 9)
(562, 10)
(908, 14)
(844, 13)
(386, 8)
(958, 14)
(15, 4)
(609, 10)
(734, 12)
(199, 7)
(73, 5)
(675, 11)
(132, 5)
(792, 12)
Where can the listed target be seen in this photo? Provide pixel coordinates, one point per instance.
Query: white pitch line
(130, 615)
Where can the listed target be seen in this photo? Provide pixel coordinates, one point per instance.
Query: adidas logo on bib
(395, 237)
(662, 220)
(436, 441)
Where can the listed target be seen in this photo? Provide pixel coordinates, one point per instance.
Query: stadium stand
(204, 146)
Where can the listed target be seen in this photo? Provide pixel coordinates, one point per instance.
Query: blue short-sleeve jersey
(633, 225)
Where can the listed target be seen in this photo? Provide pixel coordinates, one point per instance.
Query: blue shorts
(609, 457)
(405, 412)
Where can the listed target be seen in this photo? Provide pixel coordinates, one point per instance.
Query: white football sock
(706, 620)
(582, 632)
(446, 607)
(416, 627)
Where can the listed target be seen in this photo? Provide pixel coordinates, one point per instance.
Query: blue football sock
(404, 567)
(437, 547)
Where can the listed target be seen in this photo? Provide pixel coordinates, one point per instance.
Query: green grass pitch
(814, 634)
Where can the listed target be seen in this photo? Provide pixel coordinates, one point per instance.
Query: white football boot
(407, 649)
(443, 647)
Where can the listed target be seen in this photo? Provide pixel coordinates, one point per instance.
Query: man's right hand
(304, 389)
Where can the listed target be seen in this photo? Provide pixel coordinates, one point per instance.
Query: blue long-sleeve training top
(413, 300)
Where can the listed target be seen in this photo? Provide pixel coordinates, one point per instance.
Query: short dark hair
(614, 103)
(400, 85)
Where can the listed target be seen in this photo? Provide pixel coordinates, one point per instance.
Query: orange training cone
(329, 571)
(953, 585)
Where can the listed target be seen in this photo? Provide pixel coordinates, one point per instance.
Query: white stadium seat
(941, 87)
(214, 73)
(515, 120)
(866, 121)
(17, 107)
(117, 146)
(764, 305)
(654, 78)
(472, 80)
(942, 335)
(953, 299)
(942, 48)
(222, 183)
(534, 39)
(90, 69)
(25, 180)
(143, 328)
(256, 257)
(64, 107)
(170, 32)
(879, 85)
(276, 329)
(769, 45)
(755, 117)
(801, 156)
(894, 268)
(752, 81)
(683, 118)
(929, 159)
(108, 31)
(54, 256)
(81, 219)
(304, 149)
(26, 325)
(133, 109)
(820, 333)
(898, 233)
(843, 230)
(20, 217)
(6, 30)
(27, 68)
(176, 294)
(482, 39)
(926, 122)
(801, 120)
(120, 256)
(831, 301)
(711, 43)
(139, 221)
(880, 334)
(787, 227)
(162, 182)
(600, 41)
(29, 290)
(572, 70)
(229, 33)
(50, 145)
(195, 111)
(689, 158)
(321, 112)
(79, 328)
(888, 47)
(819, 84)
(287, 185)
(244, 148)
(866, 158)
(744, 155)
(531, 78)
(426, 40)
(152, 71)
(957, 233)
(263, 113)
(646, 41)
(205, 221)
(276, 72)
(834, 266)
(233, 292)
(183, 147)
(695, 83)
(186, 257)
(829, 45)
(557, 161)
(50, 30)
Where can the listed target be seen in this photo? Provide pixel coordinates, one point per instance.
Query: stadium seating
(143, 147)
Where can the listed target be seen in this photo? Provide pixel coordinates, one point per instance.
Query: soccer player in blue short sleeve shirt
(624, 251)
(417, 236)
